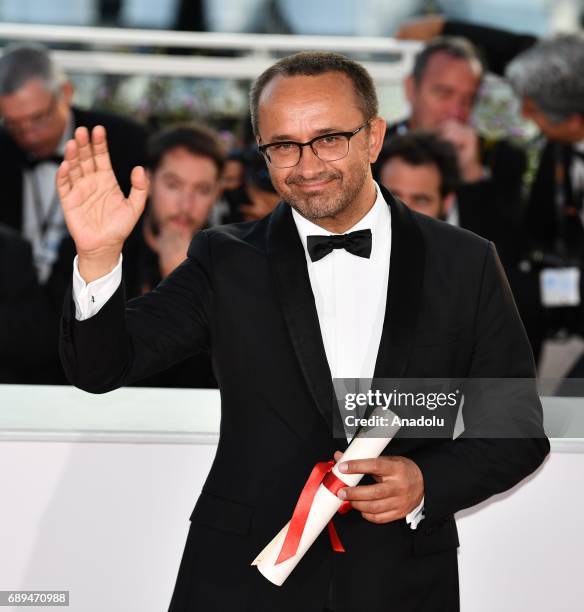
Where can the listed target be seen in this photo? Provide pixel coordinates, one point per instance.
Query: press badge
(560, 287)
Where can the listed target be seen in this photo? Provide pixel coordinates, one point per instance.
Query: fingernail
(342, 494)
(343, 467)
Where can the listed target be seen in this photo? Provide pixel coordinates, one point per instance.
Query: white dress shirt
(350, 293)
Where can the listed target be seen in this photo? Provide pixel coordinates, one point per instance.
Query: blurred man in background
(255, 196)
(422, 171)
(184, 165)
(442, 91)
(38, 118)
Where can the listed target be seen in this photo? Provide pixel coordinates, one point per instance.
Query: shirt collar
(376, 219)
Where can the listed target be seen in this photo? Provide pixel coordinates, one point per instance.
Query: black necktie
(358, 243)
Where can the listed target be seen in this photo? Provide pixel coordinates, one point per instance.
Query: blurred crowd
(435, 160)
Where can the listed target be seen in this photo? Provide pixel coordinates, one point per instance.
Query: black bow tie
(358, 243)
(30, 162)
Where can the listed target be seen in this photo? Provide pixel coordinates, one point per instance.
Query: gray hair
(551, 74)
(25, 61)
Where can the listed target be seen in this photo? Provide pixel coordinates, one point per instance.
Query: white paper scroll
(324, 506)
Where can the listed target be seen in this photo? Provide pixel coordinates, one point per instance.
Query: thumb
(338, 456)
(139, 191)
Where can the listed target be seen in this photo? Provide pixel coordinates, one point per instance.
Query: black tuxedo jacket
(28, 328)
(244, 293)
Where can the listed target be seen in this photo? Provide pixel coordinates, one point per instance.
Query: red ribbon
(321, 474)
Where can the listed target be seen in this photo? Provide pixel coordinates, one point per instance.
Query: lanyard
(44, 222)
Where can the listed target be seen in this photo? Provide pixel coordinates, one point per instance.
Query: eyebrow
(170, 174)
(320, 132)
(197, 182)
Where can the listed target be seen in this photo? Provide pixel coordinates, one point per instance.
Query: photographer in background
(255, 197)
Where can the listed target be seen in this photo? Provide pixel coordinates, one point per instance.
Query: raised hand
(98, 215)
(467, 144)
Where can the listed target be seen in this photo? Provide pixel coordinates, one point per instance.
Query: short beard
(313, 207)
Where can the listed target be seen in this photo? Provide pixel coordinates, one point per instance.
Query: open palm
(97, 213)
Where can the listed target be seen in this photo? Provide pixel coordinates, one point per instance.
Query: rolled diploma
(324, 506)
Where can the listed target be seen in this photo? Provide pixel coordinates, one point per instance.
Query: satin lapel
(404, 291)
(288, 265)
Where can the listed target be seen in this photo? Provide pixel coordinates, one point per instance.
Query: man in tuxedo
(38, 119)
(422, 171)
(441, 90)
(340, 280)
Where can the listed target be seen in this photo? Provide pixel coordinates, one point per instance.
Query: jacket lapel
(404, 291)
(288, 265)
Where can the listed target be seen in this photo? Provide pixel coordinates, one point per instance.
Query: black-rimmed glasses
(328, 148)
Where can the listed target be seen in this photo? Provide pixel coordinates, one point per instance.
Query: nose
(187, 201)
(310, 164)
(459, 110)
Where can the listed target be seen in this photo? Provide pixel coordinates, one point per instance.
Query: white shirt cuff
(89, 298)
(414, 518)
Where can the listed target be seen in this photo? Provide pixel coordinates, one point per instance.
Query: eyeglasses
(38, 121)
(328, 148)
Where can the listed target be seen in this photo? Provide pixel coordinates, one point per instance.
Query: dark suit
(28, 329)
(244, 292)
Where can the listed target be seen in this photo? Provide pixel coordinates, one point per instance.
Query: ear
(68, 91)
(377, 127)
(410, 89)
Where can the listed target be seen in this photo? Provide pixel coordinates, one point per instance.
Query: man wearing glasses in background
(38, 118)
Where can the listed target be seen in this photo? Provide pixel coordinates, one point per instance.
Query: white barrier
(96, 493)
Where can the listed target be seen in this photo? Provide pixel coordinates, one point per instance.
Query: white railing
(394, 61)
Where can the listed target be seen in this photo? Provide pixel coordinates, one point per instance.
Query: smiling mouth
(316, 186)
